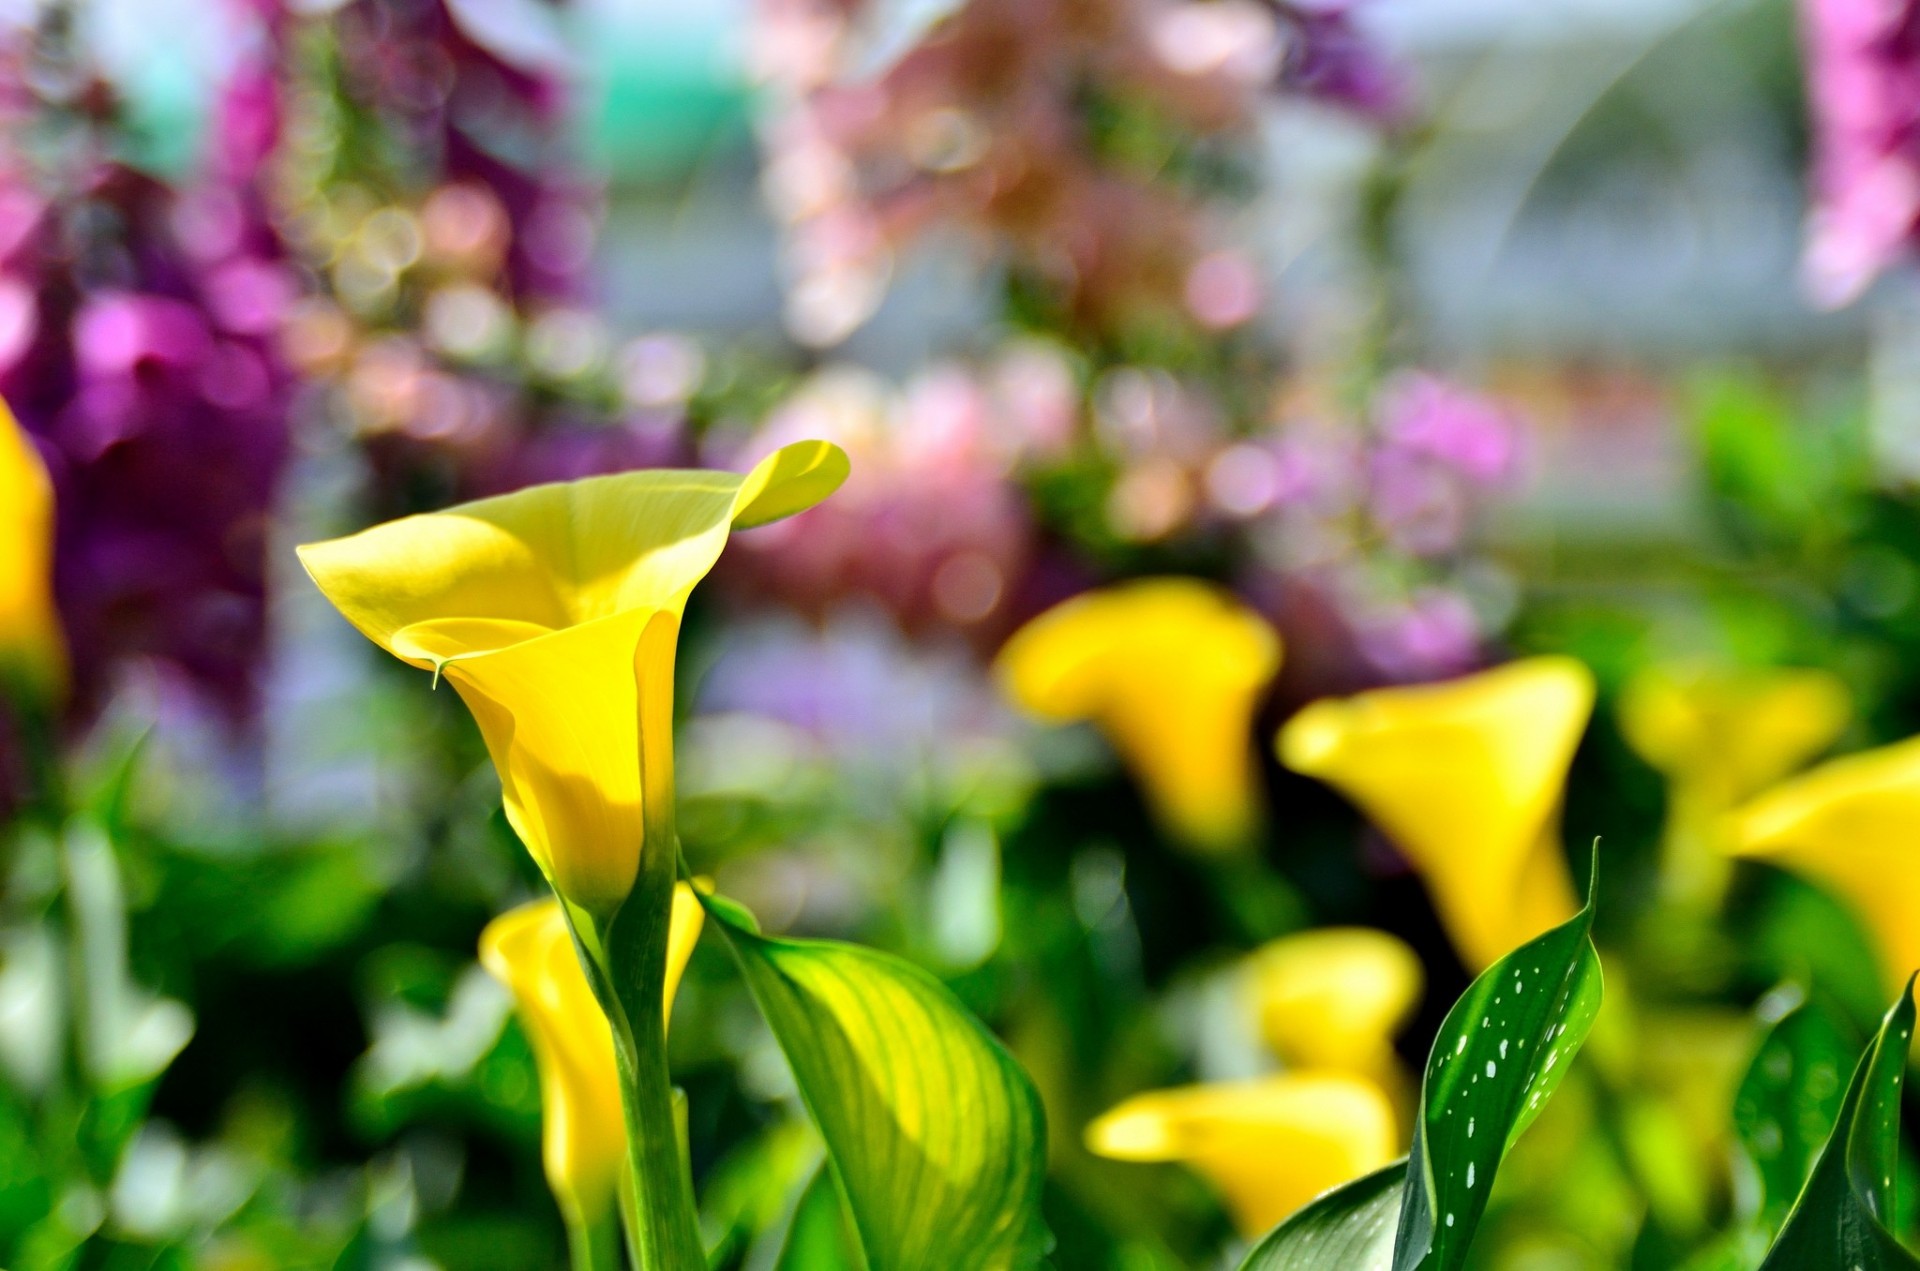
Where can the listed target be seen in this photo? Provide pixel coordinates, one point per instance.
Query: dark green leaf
(1787, 1104)
(1348, 1229)
(1498, 1058)
(934, 1133)
(1844, 1216)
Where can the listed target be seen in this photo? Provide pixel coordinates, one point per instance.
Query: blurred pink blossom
(1863, 73)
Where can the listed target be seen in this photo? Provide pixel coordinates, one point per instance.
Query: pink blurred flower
(1863, 72)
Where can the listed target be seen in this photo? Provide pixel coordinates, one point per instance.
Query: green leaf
(936, 1136)
(1844, 1216)
(1787, 1103)
(1498, 1058)
(817, 1238)
(1348, 1229)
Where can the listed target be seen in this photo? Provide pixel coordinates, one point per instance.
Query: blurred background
(1440, 333)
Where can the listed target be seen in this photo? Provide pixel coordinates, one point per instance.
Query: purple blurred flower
(1432, 635)
(1469, 433)
(1330, 58)
(136, 341)
(1863, 72)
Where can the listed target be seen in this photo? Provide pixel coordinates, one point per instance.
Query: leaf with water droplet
(1498, 1058)
(1521, 1022)
(1844, 1216)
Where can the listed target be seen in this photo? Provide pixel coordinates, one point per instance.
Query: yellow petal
(554, 556)
(30, 639)
(1719, 737)
(535, 606)
(1851, 826)
(584, 1144)
(1171, 670)
(1465, 776)
(1268, 1146)
(1335, 997)
(1731, 734)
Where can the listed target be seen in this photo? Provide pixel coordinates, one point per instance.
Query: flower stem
(594, 1246)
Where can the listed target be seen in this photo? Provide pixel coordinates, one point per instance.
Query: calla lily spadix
(1720, 737)
(1465, 777)
(1171, 670)
(555, 612)
(1268, 1146)
(31, 645)
(530, 951)
(1851, 826)
(1333, 998)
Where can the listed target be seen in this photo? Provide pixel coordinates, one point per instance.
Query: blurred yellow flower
(1852, 825)
(30, 640)
(1335, 997)
(1268, 1146)
(531, 952)
(1466, 778)
(555, 613)
(1720, 737)
(1171, 670)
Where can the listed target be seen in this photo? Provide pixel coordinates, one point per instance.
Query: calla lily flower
(1852, 826)
(1171, 670)
(1721, 737)
(555, 612)
(1268, 1146)
(1466, 777)
(30, 642)
(530, 950)
(1333, 998)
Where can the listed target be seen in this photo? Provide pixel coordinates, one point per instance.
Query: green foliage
(1787, 1104)
(1502, 1051)
(1844, 1216)
(934, 1133)
(1350, 1228)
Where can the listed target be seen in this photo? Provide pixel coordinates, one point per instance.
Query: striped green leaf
(934, 1134)
(1348, 1229)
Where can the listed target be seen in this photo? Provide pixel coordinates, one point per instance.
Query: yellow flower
(1720, 737)
(530, 950)
(1335, 997)
(1171, 669)
(30, 640)
(555, 612)
(1466, 777)
(1852, 825)
(1268, 1146)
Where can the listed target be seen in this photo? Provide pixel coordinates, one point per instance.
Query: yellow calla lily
(1466, 777)
(1720, 737)
(1268, 1146)
(1852, 825)
(30, 641)
(531, 952)
(1171, 670)
(555, 612)
(1333, 998)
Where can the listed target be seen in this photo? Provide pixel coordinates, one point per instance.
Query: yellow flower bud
(31, 645)
(1851, 826)
(1465, 777)
(1268, 1146)
(531, 951)
(1171, 670)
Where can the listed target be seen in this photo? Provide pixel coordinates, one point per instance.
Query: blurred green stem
(594, 1246)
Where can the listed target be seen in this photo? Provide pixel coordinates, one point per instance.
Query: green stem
(665, 1228)
(594, 1246)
